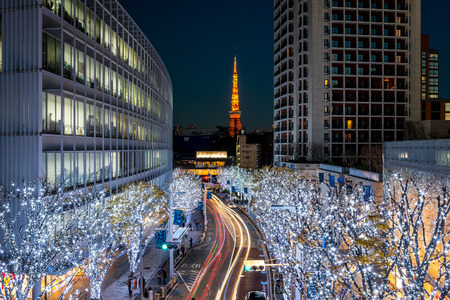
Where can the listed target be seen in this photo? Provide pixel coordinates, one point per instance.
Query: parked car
(255, 295)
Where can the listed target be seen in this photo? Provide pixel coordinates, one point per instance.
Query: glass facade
(1, 42)
(73, 117)
(113, 107)
(78, 168)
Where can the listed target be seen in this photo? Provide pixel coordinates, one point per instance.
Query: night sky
(196, 41)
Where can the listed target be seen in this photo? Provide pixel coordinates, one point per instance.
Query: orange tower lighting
(235, 114)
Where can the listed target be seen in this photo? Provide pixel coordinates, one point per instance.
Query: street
(215, 270)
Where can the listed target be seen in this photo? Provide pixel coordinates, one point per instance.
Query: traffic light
(254, 265)
(169, 246)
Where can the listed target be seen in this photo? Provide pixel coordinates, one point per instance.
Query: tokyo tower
(235, 114)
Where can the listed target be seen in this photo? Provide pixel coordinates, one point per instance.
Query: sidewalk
(116, 287)
(196, 236)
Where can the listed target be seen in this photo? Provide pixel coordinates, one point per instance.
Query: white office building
(85, 99)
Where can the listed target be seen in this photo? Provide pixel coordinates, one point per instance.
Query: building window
(326, 83)
(349, 124)
(325, 97)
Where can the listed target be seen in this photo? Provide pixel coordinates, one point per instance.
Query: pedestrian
(190, 226)
(143, 281)
(190, 242)
(135, 283)
(159, 276)
(164, 275)
(198, 226)
(146, 292)
(130, 291)
(182, 250)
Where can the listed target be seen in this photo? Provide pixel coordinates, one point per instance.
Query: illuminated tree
(97, 243)
(418, 207)
(335, 242)
(188, 187)
(36, 235)
(137, 204)
(324, 238)
(234, 176)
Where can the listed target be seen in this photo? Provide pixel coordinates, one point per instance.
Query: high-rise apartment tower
(346, 76)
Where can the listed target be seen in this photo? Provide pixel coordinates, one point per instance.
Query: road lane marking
(181, 277)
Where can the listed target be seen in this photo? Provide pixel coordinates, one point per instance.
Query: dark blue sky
(196, 41)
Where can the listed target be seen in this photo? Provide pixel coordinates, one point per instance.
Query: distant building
(190, 140)
(247, 155)
(205, 163)
(432, 156)
(432, 107)
(430, 69)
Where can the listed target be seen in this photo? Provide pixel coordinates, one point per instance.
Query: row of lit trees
(81, 232)
(335, 243)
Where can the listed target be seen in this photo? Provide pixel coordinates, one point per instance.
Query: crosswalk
(188, 277)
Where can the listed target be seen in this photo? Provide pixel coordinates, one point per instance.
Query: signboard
(246, 190)
(367, 191)
(160, 236)
(331, 179)
(200, 206)
(208, 195)
(178, 217)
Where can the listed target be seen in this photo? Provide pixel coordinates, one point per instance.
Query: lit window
(349, 124)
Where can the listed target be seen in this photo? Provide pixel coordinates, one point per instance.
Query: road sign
(367, 191)
(208, 195)
(160, 236)
(178, 217)
(331, 178)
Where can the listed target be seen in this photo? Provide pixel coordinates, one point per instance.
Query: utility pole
(170, 235)
(140, 258)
